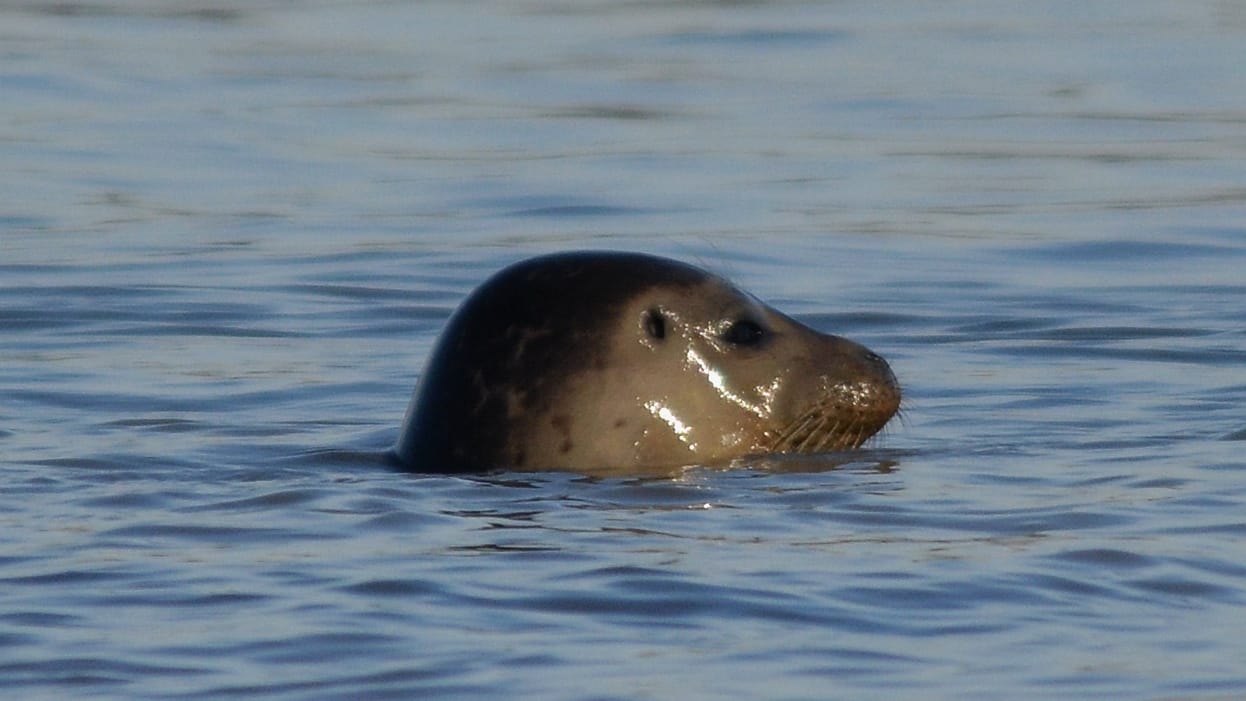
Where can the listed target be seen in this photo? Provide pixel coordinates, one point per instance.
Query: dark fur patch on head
(523, 333)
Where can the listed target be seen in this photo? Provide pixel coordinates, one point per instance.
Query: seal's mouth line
(818, 429)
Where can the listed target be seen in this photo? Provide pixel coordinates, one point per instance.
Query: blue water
(230, 233)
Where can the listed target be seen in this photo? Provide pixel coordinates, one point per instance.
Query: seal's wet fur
(513, 380)
(534, 323)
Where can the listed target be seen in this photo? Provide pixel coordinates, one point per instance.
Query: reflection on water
(230, 233)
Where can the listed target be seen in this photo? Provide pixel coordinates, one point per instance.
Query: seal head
(616, 363)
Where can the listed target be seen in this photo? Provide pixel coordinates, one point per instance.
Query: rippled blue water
(230, 232)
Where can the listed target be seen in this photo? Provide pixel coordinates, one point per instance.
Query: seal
(618, 363)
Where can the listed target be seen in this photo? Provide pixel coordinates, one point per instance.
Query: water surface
(230, 233)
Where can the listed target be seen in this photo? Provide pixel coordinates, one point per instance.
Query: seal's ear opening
(655, 324)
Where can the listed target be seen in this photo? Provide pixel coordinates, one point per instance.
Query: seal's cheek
(679, 426)
(725, 381)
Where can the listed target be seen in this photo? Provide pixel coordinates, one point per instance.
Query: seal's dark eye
(744, 333)
(655, 324)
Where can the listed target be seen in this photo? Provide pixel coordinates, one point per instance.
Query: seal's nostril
(875, 360)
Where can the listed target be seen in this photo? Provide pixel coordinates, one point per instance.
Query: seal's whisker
(818, 429)
(797, 432)
(802, 446)
(863, 434)
(853, 437)
(841, 439)
(827, 425)
(858, 434)
(831, 438)
(816, 441)
(827, 441)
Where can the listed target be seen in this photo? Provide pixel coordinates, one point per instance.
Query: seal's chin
(841, 420)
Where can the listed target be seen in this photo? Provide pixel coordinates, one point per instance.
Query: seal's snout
(886, 378)
(857, 396)
(882, 395)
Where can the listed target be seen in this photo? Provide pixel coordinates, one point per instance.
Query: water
(229, 234)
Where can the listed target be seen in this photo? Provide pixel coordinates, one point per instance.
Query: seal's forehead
(577, 289)
(603, 275)
(562, 297)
